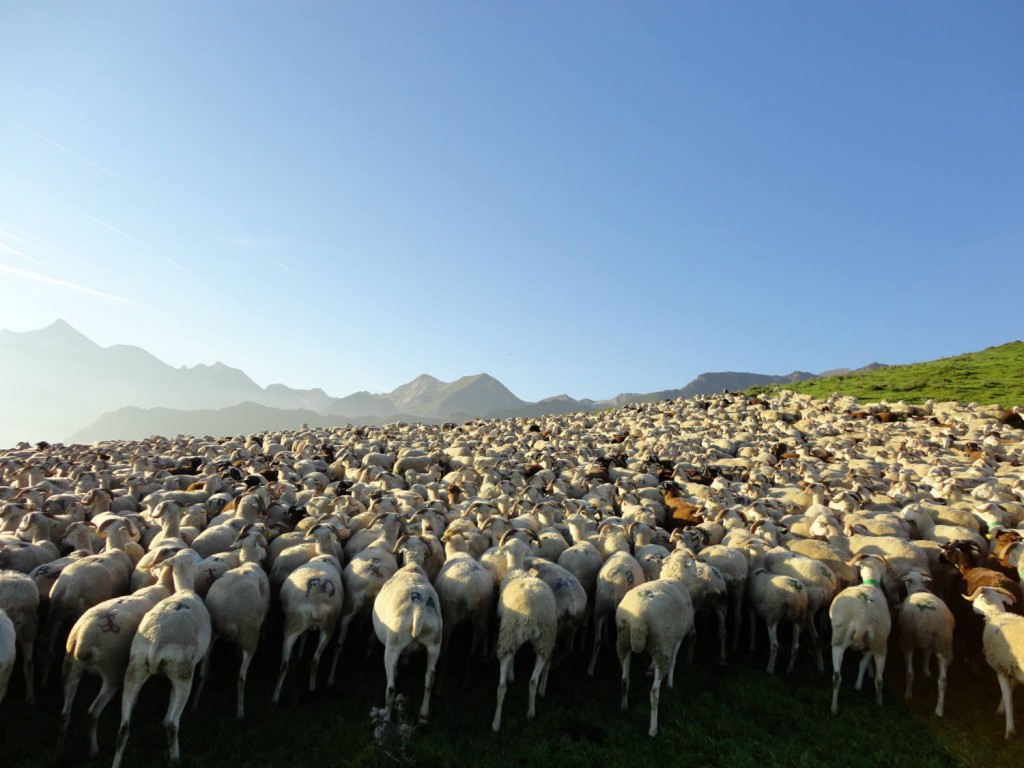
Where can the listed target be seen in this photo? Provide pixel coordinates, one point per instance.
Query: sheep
(707, 590)
(649, 554)
(465, 591)
(926, 623)
(8, 649)
(526, 614)
(734, 568)
(168, 514)
(964, 555)
(819, 581)
(653, 618)
(570, 601)
(23, 556)
(1003, 640)
(100, 643)
(238, 603)
(172, 639)
(312, 598)
(777, 598)
(619, 574)
(860, 620)
(319, 539)
(19, 599)
(407, 616)
(86, 582)
(365, 574)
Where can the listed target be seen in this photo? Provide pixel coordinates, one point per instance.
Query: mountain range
(61, 386)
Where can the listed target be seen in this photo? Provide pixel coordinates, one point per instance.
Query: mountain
(242, 419)
(708, 384)
(58, 380)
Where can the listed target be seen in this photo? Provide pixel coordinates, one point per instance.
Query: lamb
(407, 616)
(238, 603)
(100, 643)
(1003, 641)
(527, 613)
(860, 620)
(172, 639)
(653, 618)
(19, 599)
(926, 623)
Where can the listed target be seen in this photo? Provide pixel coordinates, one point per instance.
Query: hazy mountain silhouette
(62, 386)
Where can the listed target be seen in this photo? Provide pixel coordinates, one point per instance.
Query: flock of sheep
(846, 522)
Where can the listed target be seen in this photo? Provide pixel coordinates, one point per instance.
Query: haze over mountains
(62, 387)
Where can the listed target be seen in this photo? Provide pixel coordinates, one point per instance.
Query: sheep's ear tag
(196, 557)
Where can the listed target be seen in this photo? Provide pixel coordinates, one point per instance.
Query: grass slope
(992, 376)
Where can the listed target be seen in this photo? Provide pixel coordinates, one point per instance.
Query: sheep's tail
(419, 623)
(857, 630)
(638, 636)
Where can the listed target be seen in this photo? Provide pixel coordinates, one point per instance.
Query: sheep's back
(1003, 643)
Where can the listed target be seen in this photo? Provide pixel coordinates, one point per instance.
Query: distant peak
(61, 330)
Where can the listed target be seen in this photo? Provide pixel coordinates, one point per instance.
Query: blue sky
(574, 197)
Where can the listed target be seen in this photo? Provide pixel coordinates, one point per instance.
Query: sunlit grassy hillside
(994, 375)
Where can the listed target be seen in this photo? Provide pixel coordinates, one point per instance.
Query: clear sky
(577, 197)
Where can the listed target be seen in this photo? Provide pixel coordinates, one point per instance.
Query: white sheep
(526, 614)
(819, 582)
(466, 592)
(100, 642)
(23, 556)
(707, 589)
(654, 618)
(926, 623)
(734, 568)
(88, 582)
(238, 603)
(78, 536)
(407, 616)
(19, 599)
(777, 598)
(8, 650)
(312, 598)
(620, 573)
(363, 577)
(1003, 640)
(860, 620)
(570, 601)
(172, 639)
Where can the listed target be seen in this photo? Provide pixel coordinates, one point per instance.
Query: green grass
(992, 376)
(737, 717)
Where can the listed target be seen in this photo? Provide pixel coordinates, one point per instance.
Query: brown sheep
(681, 513)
